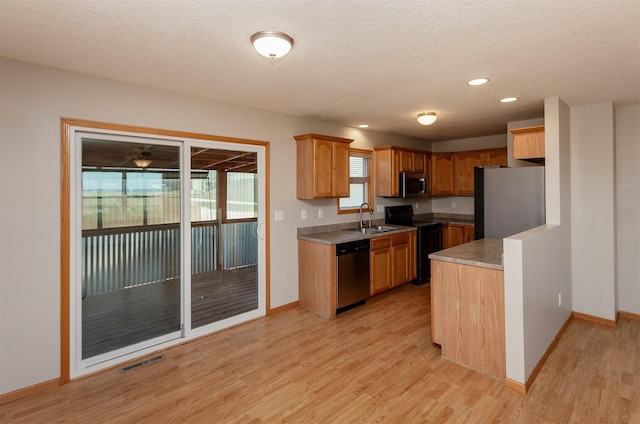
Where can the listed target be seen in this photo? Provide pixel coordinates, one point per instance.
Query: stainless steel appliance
(352, 286)
(412, 184)
(429, 237)
(508, 201)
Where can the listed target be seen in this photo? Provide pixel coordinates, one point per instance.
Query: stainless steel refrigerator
(508, 201)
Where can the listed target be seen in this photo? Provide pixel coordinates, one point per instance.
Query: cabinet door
(464, 162)
(323, 168)
(528, 143)
(341, 170)
(469, 233)
(413, 266)
(406, 161)
(401, 261)
(401, 266)
(495, 157)
(455, 235)
(419, 163)
(380, 269)
(442, 173)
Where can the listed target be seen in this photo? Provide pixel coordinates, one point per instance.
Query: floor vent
(141, 363)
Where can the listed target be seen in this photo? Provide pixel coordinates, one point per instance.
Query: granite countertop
(484, 253)
(343, 236)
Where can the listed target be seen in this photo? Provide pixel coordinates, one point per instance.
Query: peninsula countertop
(484, 253)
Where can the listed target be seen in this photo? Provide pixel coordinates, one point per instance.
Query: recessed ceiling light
(478, 81)
(364, 126)
(508, 99)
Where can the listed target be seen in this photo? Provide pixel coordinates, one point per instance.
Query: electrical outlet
(560, 299)
(303, 214)
(417, 205)
(279, 215)
(320, 213)
(453, 205)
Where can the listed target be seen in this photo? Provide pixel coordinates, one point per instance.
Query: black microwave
(412, 184)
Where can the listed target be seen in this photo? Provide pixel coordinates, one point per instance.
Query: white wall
(537, 262)
(627, 151)
(463, 204)
(33, 100)
(592, 200)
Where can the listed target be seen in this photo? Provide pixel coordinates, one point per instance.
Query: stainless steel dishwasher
(352, 286)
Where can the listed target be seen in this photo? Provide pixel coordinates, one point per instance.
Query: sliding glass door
(224, 242)
(167, 244)
(131, 253)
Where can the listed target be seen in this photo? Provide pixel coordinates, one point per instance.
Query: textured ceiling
(354, 61)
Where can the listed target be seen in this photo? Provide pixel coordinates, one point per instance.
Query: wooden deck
(124, 317)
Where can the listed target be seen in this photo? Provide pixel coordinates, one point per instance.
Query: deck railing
(119, 258)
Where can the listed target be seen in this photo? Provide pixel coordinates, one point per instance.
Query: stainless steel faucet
(370, 211)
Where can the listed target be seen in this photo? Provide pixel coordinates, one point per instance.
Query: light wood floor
(374, 363)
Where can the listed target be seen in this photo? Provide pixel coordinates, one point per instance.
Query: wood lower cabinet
(380, 265)
(453, 235)
(392, 261)
(528, 143)
(317, 278)
(400, 248)
(322, 166)
(467, 315)
(469, 233)
(457, 234)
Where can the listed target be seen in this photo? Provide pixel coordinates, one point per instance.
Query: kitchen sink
(376, 230)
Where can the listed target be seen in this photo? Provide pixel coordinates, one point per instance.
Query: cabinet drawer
(380, 243)
(400, 239)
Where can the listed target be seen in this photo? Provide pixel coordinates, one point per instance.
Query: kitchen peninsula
(467, 305)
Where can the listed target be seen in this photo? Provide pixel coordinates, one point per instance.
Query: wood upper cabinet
(322, 166)
(464, 162)
(442, 174)
(528, 143)
(455, 176)
(494, 157)
(389, 161)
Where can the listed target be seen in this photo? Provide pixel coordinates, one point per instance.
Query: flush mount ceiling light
(272, 44)
(427, 118)
(478, 81)
(142, 160)
(508, 99)
(364, 126)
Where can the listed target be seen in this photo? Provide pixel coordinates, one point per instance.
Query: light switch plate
(303, 214)
(320, 213)
(380, 208)
(279, 216)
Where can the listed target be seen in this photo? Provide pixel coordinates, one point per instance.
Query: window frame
(370, 197)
